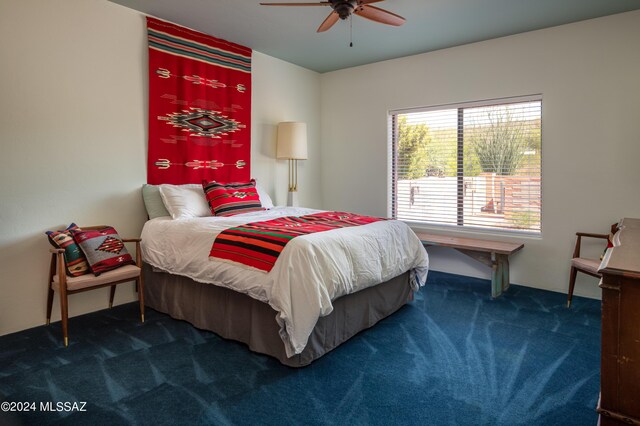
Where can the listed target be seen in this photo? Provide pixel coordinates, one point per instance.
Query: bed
(323, 289)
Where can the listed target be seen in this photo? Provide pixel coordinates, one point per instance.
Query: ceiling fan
(343, 9)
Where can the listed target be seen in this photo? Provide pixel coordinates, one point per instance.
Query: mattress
(312, 271)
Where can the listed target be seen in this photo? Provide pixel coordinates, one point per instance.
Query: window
(468, 165)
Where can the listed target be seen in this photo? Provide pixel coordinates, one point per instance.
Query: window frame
(392, 186)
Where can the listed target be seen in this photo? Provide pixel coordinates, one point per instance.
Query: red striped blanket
(259, 244)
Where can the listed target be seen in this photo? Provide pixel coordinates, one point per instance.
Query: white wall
(588, 74)
(73, 120)
(285, 92)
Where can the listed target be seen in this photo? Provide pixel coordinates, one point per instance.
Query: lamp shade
(292, 141)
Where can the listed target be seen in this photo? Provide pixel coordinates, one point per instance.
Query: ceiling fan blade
(322, 3)
(363, 2)
(379, 15)
(328, 23)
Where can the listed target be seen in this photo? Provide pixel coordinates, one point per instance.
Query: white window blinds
(470, 165)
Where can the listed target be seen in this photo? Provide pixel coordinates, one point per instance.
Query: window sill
(470, 231)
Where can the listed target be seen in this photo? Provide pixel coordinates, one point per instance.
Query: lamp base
(292, 199)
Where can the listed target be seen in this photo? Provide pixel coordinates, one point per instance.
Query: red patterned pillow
(232, 198)
(74, 259)
(103, 248)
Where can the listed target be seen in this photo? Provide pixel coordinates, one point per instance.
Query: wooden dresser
(620, 366)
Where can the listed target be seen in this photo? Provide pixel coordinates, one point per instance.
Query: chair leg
(52, 272)
(140, 286)
(64, 314)
(49, 304)
(572, 283)
(112, 293)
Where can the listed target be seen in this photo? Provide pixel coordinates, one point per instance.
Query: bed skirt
(236, 316)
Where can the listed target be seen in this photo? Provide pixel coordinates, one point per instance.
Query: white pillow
(265, 200)
(184, 201)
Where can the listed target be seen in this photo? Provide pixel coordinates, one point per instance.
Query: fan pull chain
(350, 30)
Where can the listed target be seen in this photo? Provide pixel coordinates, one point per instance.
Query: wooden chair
(66, 285)
(585, 265)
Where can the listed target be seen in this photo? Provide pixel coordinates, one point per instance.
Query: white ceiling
(289, 33)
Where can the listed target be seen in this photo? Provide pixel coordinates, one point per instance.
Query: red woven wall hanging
(199, 107)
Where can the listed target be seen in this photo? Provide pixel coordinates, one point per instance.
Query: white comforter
(311, 271)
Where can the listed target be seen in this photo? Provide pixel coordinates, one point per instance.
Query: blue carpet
(451, 357)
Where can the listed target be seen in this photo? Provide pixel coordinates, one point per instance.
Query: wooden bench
(494, 254)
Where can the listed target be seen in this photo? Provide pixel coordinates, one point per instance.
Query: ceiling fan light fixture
(344, 8)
